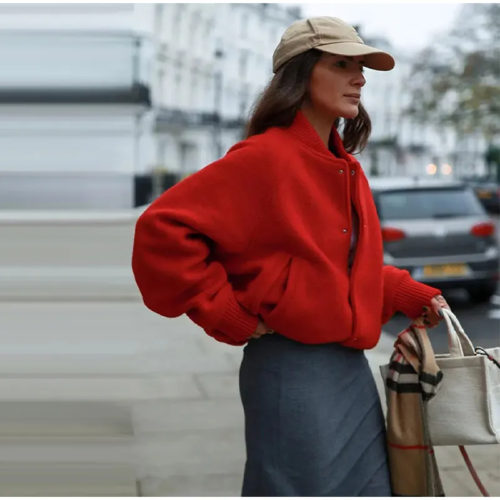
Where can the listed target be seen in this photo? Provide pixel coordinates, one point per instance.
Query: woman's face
(335, 85)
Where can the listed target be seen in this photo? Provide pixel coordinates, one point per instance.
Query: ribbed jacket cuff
(411, 296)
(237, 322)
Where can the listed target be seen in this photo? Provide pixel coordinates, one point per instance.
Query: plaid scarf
(413, 378)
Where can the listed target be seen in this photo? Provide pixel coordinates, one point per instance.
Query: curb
(27, 217)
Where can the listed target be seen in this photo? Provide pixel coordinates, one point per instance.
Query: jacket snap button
(344, 230)
(352, 172)
(341, 171)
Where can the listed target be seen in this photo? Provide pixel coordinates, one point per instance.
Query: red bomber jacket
(265, 231)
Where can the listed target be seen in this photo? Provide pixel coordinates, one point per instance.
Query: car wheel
(482, 293)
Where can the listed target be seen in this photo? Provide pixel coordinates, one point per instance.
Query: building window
(206, 103)
(208, 29)
(244, 96)
(273, 36)
(244, 25)
(194, 32)
(162, 153)
(161, 85)
(177, 22)
(158, 21)
(243, 65)
(177, 89)
(193, 99)
(188, 157)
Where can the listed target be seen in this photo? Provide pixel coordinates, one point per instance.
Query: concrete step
(60, 419)
(32, 465)
(116, 389)
(67, 255)
(53, 448)
(67, 283)
(66, 239)
(63, 479)
(68, 449)
(182, 485)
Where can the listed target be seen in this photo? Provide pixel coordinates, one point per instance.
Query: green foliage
(456, 80)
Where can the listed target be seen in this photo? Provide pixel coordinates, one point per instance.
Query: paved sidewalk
(176, 424)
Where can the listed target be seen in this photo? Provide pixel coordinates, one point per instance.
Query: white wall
(68, 139)
(72, 155)
(55, 191)
(65, 60)
(68, 157)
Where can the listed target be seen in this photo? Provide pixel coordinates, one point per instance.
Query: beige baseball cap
(331, 35)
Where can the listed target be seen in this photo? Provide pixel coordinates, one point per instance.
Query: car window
(428, 203)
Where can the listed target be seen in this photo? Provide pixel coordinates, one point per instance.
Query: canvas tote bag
(466, 409)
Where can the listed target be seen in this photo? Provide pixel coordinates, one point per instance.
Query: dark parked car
(439, 232)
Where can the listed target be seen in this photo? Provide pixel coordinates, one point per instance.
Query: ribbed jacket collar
(302, 129)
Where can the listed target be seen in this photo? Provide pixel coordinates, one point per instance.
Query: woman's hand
(262, 329)
(432, 315)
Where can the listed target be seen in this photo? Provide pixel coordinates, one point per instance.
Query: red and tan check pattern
(413, 379)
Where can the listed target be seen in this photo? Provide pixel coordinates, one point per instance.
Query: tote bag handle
(459, 344)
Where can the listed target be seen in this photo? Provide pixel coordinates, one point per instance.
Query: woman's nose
(359, 79)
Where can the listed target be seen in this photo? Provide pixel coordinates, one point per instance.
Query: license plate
(485, 194)
(445, 270)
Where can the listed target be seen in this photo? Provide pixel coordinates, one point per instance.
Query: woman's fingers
(262, 329)
(428, 316)
(432, 315)
(437, 303)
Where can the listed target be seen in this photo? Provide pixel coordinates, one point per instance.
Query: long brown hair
(278, 104)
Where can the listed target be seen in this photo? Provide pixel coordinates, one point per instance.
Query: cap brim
(375, 58)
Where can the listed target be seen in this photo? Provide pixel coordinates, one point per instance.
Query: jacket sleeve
(176, 236)
(402, 293)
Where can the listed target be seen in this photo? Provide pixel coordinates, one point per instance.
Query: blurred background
(105, 106)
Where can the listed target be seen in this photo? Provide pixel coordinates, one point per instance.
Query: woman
(277, 245)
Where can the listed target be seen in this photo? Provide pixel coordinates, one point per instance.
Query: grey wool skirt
(313, 421)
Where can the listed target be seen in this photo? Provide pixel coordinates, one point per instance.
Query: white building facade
(213, 60)
(94, 98)
(106, 105)
(73, 100)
